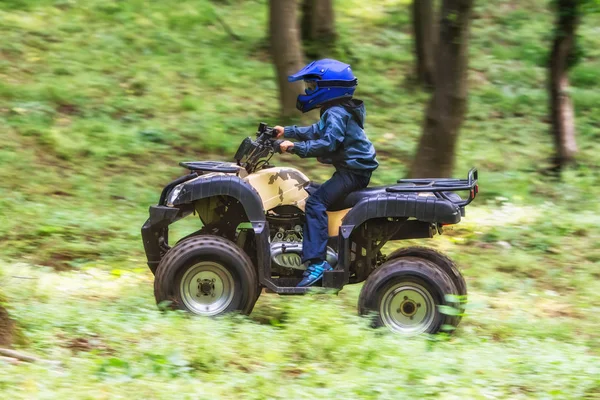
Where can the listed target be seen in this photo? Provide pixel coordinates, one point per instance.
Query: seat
(352, 199)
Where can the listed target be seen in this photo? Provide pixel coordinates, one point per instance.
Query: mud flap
(335, 279)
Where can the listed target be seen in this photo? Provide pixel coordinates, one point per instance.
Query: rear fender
(427, 210)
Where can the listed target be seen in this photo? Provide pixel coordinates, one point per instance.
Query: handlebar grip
(277, 145)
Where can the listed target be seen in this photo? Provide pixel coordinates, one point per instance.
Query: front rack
(210, 166)
(440, 187)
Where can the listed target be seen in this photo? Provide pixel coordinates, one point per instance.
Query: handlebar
(267, 134)
(266, 131)
(256, 153)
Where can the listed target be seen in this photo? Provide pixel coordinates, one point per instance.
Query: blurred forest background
(100, 99)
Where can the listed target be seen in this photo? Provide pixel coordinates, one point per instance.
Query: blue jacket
(338, 138)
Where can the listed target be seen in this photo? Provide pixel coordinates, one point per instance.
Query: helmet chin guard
(327, 80)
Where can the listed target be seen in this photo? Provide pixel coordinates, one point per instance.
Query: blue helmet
(326, 80)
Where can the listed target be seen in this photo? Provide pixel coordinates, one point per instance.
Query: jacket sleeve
(331, 138)
(301, 132)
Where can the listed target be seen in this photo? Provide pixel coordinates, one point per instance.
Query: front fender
(155, 229)
(223, 185)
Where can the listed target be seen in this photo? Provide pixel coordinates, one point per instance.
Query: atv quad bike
(252, 214)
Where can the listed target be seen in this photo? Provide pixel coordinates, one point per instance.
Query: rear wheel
(439, 259)
(405, 295)
(445, 264)
(207, 275)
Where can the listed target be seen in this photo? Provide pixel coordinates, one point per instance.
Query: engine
(286, 250)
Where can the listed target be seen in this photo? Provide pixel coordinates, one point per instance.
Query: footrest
(334, 279)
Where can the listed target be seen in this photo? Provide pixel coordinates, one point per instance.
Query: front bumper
(155, 232)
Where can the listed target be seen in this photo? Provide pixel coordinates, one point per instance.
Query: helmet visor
(310, 86)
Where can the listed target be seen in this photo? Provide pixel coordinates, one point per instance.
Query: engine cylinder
(289, 255)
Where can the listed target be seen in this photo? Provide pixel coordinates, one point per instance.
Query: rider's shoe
(314, 272)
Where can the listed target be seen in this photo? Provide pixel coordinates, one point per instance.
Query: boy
(338, 139)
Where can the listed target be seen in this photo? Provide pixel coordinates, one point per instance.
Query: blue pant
(342, 183)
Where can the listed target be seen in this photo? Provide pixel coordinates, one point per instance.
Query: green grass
(113, 342)
(100, 99)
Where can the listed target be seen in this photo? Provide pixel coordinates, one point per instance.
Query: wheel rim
(407, 308)
(207, 288)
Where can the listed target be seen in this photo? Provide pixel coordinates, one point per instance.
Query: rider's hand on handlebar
(279, 131)
(286, 145)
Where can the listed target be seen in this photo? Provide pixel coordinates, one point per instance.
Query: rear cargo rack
(440, 187)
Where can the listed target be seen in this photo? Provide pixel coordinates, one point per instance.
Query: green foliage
(100, 99)
(585, 75)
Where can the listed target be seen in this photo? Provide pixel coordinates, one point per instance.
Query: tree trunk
(318, 27)
(423, 30)
(562, 115)
(447, 107)
(286, 51)
(6, 327)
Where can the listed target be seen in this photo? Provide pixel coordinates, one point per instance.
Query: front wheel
(207, 275)
(405, 295)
